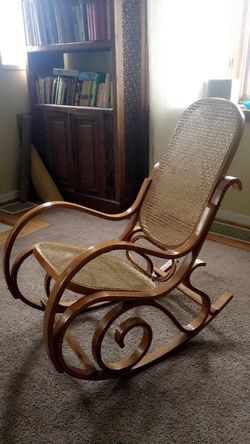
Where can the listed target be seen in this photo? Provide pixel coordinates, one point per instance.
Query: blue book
(86, 76)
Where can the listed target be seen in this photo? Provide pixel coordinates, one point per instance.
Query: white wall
(13, 100)
(186, 48)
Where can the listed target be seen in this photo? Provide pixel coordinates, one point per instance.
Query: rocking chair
(168, 224)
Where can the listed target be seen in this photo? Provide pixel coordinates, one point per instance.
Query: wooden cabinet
(58, 154)
(97, 156)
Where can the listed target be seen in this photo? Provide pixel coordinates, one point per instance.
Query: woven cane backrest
(197, 156)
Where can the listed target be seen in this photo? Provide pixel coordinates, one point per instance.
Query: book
(64, 20)
(99, 99)
(54, 90)
(85, 93)
(78, 88)
(80, 11)
(88, 20)
(111, 98)
(86, 75)
(35, 25)
(99, 20)
(106, 92)
(58, 91)
(40, 22)
(41, 89)
(71, 88)
(48, 83)
(65, 72)
(76, 27)
(29, 35)
(108, 19)
(50, 21)
(99, 78)
(84, 21)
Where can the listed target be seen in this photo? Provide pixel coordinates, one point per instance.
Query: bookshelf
(88, 78)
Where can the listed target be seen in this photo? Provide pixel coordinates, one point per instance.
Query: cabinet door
(88, 150)
(38, 134)
(58, 148)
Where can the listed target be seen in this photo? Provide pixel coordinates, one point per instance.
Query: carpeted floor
(201, 395)
(8, 220)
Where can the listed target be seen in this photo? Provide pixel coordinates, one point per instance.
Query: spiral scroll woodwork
(161, 274)
(96, 367)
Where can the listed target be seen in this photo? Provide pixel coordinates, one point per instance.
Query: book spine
(99, 77)
(49, 12)
(108, 20)
(37, 91)
(54, 89)
(88, 20)
(75, 19)
(106, 91)
(91, 21)
(86, 93)
(78, 87)
(58, 20)
(83, 9)
(34, 22)
(40, 23)
(80, 22)
(86, 75)
(99, 100)
(99, 18)
(27, 22)
(111, 99)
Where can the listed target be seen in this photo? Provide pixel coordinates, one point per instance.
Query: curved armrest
(72, 206)
(222, 187)
(208, 215)
(214, 203)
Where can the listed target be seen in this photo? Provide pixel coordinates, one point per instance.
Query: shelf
(104, 45)
(71, 108)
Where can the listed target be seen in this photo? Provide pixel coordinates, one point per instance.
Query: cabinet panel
(108, 147)
(59, 154)
(87, 147)
(38, 134)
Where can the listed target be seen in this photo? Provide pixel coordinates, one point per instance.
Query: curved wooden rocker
(172, 214)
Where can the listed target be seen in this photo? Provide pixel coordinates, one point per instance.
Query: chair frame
(175, 273)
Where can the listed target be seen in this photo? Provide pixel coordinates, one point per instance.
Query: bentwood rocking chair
(168, 224)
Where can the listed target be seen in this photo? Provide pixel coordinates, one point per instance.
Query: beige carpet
(201, 395)
(10, 219)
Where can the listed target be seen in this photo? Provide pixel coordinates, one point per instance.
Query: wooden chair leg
(15, 290)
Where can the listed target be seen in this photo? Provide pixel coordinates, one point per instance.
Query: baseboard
(235, 218)
(8, 197)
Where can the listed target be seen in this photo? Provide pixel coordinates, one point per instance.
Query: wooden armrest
(222, 187)
(67, 205)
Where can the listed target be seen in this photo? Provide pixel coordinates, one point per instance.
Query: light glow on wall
(12, 40)
(190, 42)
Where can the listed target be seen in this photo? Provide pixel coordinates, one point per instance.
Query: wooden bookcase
(97, 156)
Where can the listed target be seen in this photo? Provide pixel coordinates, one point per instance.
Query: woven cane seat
(107, 271)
